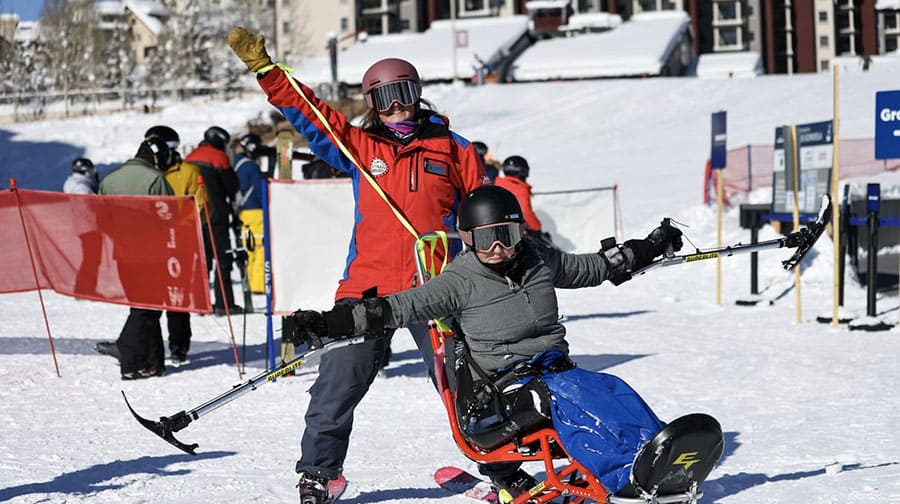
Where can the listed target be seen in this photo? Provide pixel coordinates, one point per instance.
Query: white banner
(311, 222)
(310, 225)
(577, 220)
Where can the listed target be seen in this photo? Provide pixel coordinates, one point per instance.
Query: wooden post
(719, 194)
(835, 202)
(795, 174)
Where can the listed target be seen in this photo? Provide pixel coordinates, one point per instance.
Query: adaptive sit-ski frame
(565, 476)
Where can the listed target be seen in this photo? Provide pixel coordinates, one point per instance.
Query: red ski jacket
(424, 179)
(522, 190)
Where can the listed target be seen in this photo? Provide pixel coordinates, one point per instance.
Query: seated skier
(500, 294)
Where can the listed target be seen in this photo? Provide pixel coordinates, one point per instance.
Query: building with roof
(144, 19)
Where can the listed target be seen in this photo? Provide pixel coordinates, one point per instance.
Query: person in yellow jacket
(183, 177)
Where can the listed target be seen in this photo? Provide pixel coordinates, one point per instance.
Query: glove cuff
(339, 321)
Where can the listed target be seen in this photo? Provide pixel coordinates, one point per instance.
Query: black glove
(622, 260)
(308, 327)
(663, 237)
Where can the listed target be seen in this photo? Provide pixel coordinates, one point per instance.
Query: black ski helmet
(155, 151)
(515, 166)
(82, 166)
(480, 147)
(217, 137)
(168, 135)
(488, 204)
(251, 142)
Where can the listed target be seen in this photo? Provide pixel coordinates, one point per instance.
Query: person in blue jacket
(250, 202)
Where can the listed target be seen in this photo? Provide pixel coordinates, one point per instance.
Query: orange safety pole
(212, 241)
(37, 283)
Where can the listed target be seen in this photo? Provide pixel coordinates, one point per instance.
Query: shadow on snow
(95, 479)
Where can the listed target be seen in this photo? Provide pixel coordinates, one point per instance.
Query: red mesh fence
(142, 251)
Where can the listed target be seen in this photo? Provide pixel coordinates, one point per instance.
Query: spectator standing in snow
(501, 293)
(221, 189)
(249, 203)
(491, 165)
(515, 173)
(421, 169)
(139, 347)
(83, 179)
(182, 176)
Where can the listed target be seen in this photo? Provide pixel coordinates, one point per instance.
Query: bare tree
(69, 36)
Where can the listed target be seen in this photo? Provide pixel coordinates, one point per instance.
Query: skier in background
(221, 189)
(500, 291)
(515, 175)
(83, 179)
(249, 206)
(423, 169)
(182, 176)
(139, 347)
(491, 166)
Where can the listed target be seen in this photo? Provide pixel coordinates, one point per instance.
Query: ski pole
(803, 240)
(167, 426)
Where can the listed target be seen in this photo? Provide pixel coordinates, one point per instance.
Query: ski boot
(511, 486)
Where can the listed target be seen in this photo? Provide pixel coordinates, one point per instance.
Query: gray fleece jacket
(503, 321)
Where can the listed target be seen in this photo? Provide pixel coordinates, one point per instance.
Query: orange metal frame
(570, 479)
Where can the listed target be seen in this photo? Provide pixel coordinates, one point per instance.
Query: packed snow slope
(809, 410)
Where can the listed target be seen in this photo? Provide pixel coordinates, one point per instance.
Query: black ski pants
(345, 375)
(140, 343)
(179, 325)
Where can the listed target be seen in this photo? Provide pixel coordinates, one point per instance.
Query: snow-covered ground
(809, 411)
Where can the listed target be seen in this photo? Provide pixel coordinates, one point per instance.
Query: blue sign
(887, 125)
(873, 197)
(719, 153)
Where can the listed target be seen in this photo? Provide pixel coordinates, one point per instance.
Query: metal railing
(30, 106)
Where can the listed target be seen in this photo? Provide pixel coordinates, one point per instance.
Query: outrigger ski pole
(166, 427)
(803, 240)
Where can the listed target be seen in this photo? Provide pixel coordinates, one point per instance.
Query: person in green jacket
(140, 345)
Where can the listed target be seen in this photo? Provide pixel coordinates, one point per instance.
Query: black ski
(166, 427)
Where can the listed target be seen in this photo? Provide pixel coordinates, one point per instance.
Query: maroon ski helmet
(385, 72)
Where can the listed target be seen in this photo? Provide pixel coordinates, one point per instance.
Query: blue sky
(28, 10)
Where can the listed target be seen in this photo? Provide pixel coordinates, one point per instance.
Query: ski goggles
(404, 92)
(483, 238)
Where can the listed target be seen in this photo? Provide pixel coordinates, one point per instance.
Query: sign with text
(815, 153)
(887, 125)
(141, 251)
(719, 144)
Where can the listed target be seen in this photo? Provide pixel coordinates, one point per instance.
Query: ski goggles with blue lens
(404, 92)
(483, 238)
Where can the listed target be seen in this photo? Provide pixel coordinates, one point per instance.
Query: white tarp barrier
(307, 262)
(577, 220)
(311, 221)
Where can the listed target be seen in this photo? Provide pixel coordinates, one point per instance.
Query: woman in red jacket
(405, 165)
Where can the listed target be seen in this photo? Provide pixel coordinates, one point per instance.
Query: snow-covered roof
(431, 52)
(592, 20)
(637, 47)
(146, 12)
(28, 31)
(727, 65)
(534, 5)
(887, 5)
(110, 7)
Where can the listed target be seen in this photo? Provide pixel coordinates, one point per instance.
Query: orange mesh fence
(142, 251)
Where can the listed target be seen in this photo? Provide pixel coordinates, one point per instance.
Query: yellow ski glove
(250, 48)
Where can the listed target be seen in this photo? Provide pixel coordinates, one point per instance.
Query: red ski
(459, 481)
